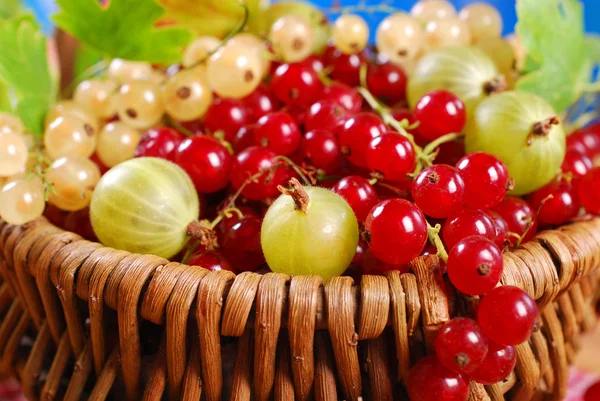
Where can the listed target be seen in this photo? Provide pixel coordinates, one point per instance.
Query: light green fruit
(465, 71)
(514, 126)
(321, 241)
(316, 17)
(144, 206)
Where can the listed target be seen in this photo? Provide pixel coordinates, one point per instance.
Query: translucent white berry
(140, 104)
(124, 71)
(97, 96)
(292, 38)
(483, 20)
(399, 37)
(10, 122)
(350, 33)
(116, 143)
(445, 33)
(71, 108)
(432, 10)
(13, 153)
(69, 136)
(234, 71)
(22, 200)
(186, 95)
(73, 179)
(260, 45)
(199, 49)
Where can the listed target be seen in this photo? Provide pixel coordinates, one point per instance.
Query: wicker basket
(81, 321)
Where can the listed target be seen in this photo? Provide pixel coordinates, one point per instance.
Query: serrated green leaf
(126, 29)
(552, 32)
(24, 70)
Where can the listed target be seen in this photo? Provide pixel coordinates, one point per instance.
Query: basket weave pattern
(77, 320)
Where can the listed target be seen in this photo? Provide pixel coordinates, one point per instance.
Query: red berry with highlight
(357, 133)
(589, 191)
(296, 84)
(392, 155)
(159, 142)
(475, 265)
(359, 194)
(560, 202)
(277, 132)
(326, 115)
(250, 162)
(465, 223)
(396, 231)
(387, 82)
(439, 113)
(486, 179)
(320, 149)
(519, 216)
(498, 364)
(439, 190)
(429, 380)
(507, 315)
(460, 345)
(227, 115)
(206, 161)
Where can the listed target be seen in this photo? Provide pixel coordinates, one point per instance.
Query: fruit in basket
(507, 315)
(523, 131)
(460, 345)
(73, 179)
(498, 364)
(144, 206)
(464, 71)
(22, 200)
(475, 265)
(429, 380)
(309, 230)
(13, 153)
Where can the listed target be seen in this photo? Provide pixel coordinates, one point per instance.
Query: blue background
(44, 8)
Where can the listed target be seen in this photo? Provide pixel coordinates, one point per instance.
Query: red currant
(460, 345)
(296, 84)
(326, 115)
(345, 67)
(210, 260)
(396, 231)
(227, 115)
(438, 191)
(359, 256)
(576, 163)
(518, 215)
(344, 95)
(391, 155)
(373, 266)
(359, 194)
(387, 82)
(251, 161)
(357, 133)
(79, 223)
(315, 62)
(586, 140)
(501, 227)
(262, 101)
(562, 207)
(439, 113)
(592, 393)
(475, 265)
(498, 364)
(507, 315)
(103, 168)
(466, 222)
(206, 161)
(429, 380)
(228, 222)
(589, 191)
(321, 149)
(486, 179)
(242, 246)
(243, 139)
(159, 142)
(278, 132)
(298, 113)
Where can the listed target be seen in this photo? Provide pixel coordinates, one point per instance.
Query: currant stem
(177, 126)
(434, 239)
(296, 168)
(530, 224)
(238, 28)
(433, 145)
(298, 194)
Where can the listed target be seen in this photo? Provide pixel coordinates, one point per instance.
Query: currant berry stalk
(426, 155)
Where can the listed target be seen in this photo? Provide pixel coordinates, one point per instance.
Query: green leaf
(9, 8)
(592, 44)
(85, 58)
(24, 71)
(126, 29)
(552, 32)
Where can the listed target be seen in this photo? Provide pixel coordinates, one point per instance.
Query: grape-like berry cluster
(378, 136)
